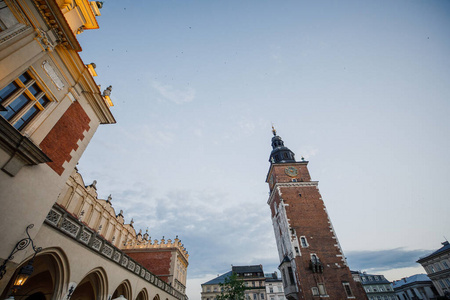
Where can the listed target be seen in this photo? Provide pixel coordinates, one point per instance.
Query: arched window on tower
(303, 242)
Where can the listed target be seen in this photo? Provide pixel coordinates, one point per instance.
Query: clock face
(291, 171)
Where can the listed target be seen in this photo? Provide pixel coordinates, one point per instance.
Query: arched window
(303, 242)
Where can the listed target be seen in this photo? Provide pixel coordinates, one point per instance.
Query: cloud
(177, 96)
(216, 230)
(384, 259)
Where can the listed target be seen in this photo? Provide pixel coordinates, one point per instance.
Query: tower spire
(280, 153)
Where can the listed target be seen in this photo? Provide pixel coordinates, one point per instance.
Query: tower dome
(280, 153)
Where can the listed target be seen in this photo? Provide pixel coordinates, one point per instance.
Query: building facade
(437, 266)
(274, 287)
(415, 287)
(377, 287)
(59, 240)
(254, 281)
(312, 263)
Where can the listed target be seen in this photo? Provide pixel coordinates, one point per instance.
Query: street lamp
(23, 275)
(26, 271)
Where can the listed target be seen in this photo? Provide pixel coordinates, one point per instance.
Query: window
(254, 296)
(208, 289)
(262, 296)
(447, 281)
(303, 242)
(432, 269)
(7, 19)
(297, 251)
(442, 284)
(322, 290)
(314, 258)
(445, 264)
(271, 289)
(347, 288)
(22, 99)
(438, 267)
(291, 275)
(315, 291)
(253, 284)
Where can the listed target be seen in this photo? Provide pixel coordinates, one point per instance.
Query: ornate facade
(254, 281)
(437, 266)
(54, 229)
(312, 263)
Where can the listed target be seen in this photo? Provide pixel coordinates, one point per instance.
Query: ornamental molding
(62, 221)
(21, 149)
(277, 187)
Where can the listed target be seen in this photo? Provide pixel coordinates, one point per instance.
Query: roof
(444, 248)
(219, 279)
(381, 279)
(410, 280)
(247, 269)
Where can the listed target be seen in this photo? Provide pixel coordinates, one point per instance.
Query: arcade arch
(47, 280)
(123, 289)
(92, 287)
(143, 295)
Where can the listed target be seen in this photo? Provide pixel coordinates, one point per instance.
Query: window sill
(21, 149)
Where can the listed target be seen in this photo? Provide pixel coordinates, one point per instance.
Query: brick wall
(156, 262)
(64, 136)
(306, 213)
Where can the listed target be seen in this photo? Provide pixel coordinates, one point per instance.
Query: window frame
(348, 290)
(25, 89)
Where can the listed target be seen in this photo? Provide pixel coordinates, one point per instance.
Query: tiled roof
(411, 279)
(444, 248)
(247, 269)
(380, 280)
(219, 279)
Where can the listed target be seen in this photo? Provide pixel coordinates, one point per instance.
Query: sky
(359, 88)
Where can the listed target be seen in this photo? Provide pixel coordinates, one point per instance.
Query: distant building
(437, 266)
(415, 287)
(254, 280)
(211, 289)
(377, 287)
(253, 277)
(312, 263)
(274, 287)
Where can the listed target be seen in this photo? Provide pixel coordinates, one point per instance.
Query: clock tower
(312, 263)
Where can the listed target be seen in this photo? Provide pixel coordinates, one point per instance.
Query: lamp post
(26, 271)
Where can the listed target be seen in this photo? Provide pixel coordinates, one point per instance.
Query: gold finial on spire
(274, 131)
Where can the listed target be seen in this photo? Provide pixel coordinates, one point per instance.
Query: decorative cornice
(290, 184)
(63, 221)
(55, 19)
(144, 244)
(21, 149)
(304, 162)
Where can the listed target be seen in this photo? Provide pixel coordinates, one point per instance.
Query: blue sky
(359, 88)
